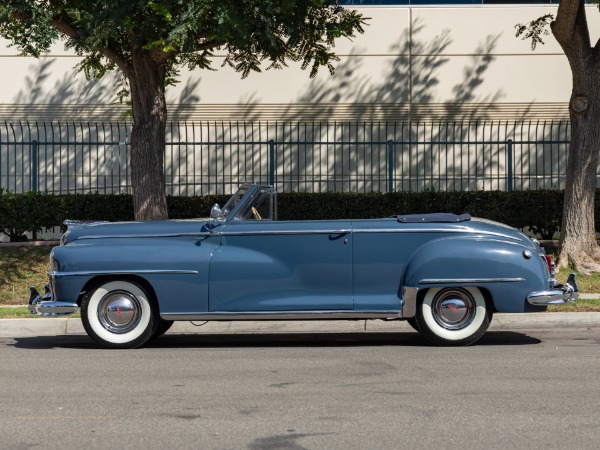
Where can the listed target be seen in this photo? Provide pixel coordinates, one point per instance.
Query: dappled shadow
(354, 155)
(436, 146)
(474, 75)
(67, 90)
(425, 69)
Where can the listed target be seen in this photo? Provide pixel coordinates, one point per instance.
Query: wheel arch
(489, 298)
(136, 279)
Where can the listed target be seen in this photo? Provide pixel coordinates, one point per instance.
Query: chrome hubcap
(453, 309)
(119, 312)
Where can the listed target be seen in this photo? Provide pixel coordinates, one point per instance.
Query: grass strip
(581, 305)
(21, 267)
(22, 312)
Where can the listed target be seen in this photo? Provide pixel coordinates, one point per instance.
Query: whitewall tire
(119, 314)
(453, 316)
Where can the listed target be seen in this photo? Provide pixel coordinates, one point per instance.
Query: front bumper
(45, 306)
(562, 293)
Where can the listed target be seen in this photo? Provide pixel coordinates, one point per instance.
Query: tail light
(549, 263)
(551, 269)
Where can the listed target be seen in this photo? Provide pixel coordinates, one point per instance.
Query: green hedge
(540, 211)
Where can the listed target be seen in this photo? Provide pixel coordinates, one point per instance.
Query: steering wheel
(256, 214)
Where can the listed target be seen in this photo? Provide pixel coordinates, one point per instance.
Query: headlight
(53, 262)
(63, 238)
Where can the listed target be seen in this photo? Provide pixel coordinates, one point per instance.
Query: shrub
(31, 211)
(539, 211)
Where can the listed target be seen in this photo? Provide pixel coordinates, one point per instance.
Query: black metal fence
(213, 158)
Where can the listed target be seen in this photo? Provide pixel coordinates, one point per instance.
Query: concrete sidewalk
(63, 326)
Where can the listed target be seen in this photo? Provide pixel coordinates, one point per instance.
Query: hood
(104, 230)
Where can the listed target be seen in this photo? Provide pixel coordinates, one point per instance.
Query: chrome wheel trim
(428, 316)
(125, 337)
(119, 311)
(453, 309)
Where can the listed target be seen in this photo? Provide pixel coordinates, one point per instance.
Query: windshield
(250, 202)
(260, 205)
(235, 199)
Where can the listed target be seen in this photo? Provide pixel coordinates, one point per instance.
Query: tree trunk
(149, 108)
(578, 234)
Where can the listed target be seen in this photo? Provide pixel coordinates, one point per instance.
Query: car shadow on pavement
(242, 340)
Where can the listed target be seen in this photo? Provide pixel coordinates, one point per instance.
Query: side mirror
(216, 214)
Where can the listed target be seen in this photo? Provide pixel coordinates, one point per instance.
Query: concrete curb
(530, 321)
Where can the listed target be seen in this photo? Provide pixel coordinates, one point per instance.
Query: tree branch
(570, 27)
(62, 24)
(162, 56)
(565, 17)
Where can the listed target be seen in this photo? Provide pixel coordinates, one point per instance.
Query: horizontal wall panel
(366, 112)
(501, 79)
(412, 62)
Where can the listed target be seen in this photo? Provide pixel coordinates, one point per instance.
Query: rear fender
(501, 268)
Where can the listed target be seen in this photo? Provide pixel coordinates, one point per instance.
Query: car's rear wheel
(119, 314)
(413, 323)
(453, 316)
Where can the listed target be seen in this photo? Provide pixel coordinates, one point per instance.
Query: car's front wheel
(119, 314)
(163, 327)
(453, 316)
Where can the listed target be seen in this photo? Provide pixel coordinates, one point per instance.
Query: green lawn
(21, 267)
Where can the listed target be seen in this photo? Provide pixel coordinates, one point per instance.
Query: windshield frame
(247, 196)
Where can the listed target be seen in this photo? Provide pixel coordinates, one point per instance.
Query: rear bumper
(564, 293)
(45, 306)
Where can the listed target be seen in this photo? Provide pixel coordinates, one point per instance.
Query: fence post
(390, 152)
(509, 169)
(34, 165)
(272, 162)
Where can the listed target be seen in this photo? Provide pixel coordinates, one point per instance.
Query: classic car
(445, 274)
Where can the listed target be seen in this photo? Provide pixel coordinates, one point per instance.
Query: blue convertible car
(445, 274)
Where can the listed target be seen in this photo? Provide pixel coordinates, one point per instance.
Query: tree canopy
(148, 42)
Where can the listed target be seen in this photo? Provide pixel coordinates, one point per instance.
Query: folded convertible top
(435, 218)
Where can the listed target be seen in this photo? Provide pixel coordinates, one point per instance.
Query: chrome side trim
(144, 236)
(409, 302)
(363, 231)
(300, 232)
(87, 273)
(277, 233)
(438, 230)
(470, 280)
(283, 315)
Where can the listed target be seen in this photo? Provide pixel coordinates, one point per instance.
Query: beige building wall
(418, 63)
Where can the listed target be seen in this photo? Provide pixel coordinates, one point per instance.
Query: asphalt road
(536, 389)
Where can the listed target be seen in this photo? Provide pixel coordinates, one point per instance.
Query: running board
(408, 308)
(284, 315)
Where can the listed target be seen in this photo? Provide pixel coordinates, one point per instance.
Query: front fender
(502, 268)
(175, 268)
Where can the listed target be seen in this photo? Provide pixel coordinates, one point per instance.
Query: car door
(282, 266)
